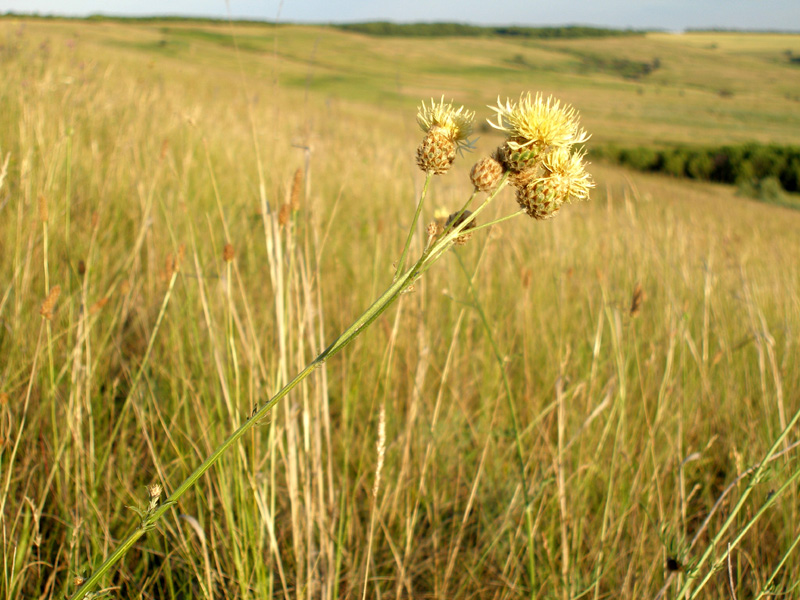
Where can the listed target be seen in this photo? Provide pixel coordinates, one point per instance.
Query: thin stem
(402, 262)
(375, 310)
(142, 367)
(757, 476)
(400, 283)
(764, 590)
(496, 221)
(506, 384)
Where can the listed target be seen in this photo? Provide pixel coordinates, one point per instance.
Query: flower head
(535, 122)
(567, 173)
(563, 180)
(455, 124)
(154, 490)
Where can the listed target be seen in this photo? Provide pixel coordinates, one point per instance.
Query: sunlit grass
(632, 422)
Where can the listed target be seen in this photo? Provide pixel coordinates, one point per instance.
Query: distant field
(708, 88)
(574, 408)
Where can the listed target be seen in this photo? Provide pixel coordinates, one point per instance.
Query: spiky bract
(455, 123)
(436, 152)
(486, 174)
(538, 125)
(567, 171)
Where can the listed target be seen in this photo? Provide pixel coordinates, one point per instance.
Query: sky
(636, 14)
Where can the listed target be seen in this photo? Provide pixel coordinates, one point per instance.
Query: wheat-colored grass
(631, 424)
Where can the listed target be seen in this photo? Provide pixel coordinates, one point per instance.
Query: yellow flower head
(456, 124)
(566, 173)
(538, 122)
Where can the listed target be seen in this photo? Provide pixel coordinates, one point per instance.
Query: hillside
(599, 405)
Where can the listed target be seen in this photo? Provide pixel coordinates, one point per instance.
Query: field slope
(572, 408)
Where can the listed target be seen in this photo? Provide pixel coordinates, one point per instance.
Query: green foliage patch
(385, 28)
(745, 164)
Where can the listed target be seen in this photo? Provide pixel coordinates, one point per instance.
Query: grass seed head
(284, 214)
(48, 306)
(297, 186)
(98, 306)
(44, 213)
(228, 253)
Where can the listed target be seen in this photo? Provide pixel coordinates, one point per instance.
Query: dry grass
(632, 425)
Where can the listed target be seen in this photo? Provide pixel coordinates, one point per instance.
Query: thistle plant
(537, 157)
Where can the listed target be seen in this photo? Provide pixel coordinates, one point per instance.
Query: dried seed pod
(457, 219)
(486, 174)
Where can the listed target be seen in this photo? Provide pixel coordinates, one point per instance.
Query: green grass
(631, 425)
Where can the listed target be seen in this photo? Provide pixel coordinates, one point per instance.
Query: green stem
(402, 262)
(400, 283)
(372, 313)
(506, 384)
(757, 476)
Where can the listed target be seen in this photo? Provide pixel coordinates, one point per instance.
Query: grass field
(574, 408)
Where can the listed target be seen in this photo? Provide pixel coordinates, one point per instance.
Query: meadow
(600, 405)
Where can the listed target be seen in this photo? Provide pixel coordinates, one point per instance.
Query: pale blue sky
(640, 14)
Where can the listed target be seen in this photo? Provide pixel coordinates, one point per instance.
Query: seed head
(455, 123)
(228, 253)
(486, 174)
(49, 303)
(537, 124)
(98, 306)
(284, 213)
(43, 211)
(567, 171)
(539, 199)
(154, 489)
(297, 186)
(436, 152)
(564, 180)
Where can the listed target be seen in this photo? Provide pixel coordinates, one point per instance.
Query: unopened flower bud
(486, 174)
(436, 152)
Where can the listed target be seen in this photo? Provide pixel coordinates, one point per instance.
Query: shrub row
(726, 164)
(385, 28)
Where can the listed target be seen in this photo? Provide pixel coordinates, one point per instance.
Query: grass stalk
(402, 262)
(756, 478)
(380, 305)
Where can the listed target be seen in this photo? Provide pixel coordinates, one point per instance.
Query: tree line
(744, 164)
(386, 28)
